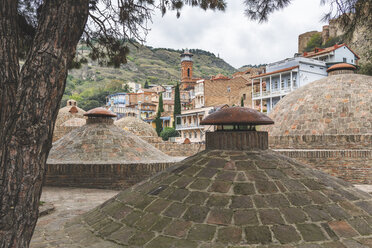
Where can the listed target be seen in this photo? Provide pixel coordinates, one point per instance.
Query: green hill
(91, 83)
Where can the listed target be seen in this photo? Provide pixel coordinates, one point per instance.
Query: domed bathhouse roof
(74, 122)
(71, 110)
(136, 126)
(100, 141)
(99, 154)
(328, 123)
(232, 198)
(339, 104)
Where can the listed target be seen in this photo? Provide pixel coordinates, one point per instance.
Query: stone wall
(104, 176)
(354, 166)
(178, 149)
(175, 149)
(321, 142)
(346, 156)
(220, 91)
(303, 39)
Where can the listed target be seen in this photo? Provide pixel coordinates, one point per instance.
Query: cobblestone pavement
(68, 203)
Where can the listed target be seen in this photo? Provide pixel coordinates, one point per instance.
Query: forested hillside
(91, 83)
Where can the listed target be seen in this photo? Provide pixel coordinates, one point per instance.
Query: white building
(199, 94)
(168, 92)
(334, 55)
(188, 123)
(135, 87)
(283, 77)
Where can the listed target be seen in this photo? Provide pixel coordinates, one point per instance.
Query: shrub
(168, 132)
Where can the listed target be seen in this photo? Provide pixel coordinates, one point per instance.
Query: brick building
(222, 90)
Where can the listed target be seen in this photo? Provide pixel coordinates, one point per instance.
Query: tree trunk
(29, 105)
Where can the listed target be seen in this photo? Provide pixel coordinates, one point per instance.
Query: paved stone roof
(64, 114)
(100, 141)
(74, 122)
(231, 199)
(339, 104)
(136, 126)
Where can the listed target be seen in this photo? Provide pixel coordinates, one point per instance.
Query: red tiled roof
(341, 66)
(219, 77)
(273, 72)
(319, 51)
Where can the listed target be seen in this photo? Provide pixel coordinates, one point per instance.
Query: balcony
(188, 126)
(272, 93)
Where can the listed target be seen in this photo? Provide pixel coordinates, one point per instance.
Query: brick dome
(334, 105)
(224, 198)
(99, 141)
(69, 112)
(74, 122)
(136, 126)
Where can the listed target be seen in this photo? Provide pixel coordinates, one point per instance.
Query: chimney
(236, 129)
(100, 115)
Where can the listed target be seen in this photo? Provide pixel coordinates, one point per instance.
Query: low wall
(321, 142)
(354, 166)
(178, 149)
(175, 149)
(104, 176)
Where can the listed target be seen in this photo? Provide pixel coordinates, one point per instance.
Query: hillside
(91, 83)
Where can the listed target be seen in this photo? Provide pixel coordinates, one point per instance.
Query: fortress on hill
(360, 42)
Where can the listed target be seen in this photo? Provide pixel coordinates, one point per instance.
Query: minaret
(186, 66)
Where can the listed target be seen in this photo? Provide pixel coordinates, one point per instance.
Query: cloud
(236, 39)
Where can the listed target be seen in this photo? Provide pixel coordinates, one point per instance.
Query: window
(282, 83)
(289, 82)
(184, 134)
(188, 72)
(294, 82)
(276, 84)
(344, 60)
(189, 135)
(244, 97)
(311, 66)
(228, 89)
(352, 61)
(195, 134)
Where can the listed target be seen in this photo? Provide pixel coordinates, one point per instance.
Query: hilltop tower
(186, 66)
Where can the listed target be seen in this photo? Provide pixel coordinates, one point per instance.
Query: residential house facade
(283, 77)
(333, 55)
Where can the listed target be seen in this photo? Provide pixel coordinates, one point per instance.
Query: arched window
(188, 72)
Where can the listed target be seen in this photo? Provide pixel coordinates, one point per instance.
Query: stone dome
(71, 110)
(136, 126)
(334, 105)
(74, 122)
(99, 141)
(222, 198)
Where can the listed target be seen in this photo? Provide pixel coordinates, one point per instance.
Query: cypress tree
(161, 108)
(242, 102)
(146, 86)
(177, 104)
(158, 123)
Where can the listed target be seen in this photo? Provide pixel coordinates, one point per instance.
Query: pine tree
(177, 104)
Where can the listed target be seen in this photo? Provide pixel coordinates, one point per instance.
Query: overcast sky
(236, 39)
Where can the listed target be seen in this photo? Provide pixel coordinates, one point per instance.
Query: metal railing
(273, 92)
